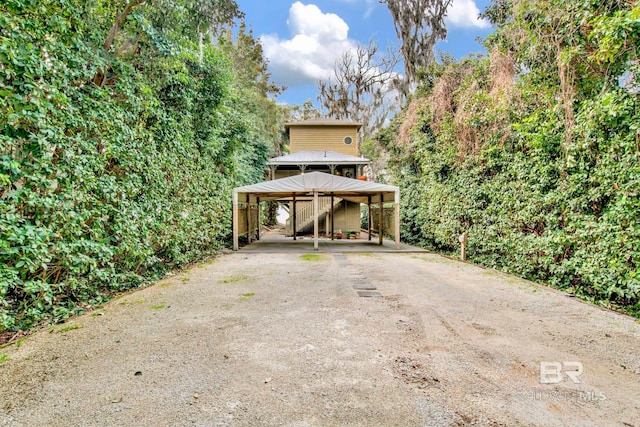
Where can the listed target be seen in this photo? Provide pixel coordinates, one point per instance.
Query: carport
(312, 186)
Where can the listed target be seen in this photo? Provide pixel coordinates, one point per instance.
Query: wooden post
(396, 226)
(294, 217)
(332, 217)
(369, 216)
(381, 219)
(463, 246)
(315, 220)
(249, 218)
(235, 220)
(258, 219)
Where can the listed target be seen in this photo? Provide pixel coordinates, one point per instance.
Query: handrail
(304, 211)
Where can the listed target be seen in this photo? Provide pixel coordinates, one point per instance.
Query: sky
(303, 39)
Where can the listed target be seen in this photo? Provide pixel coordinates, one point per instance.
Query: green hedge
(542, 198)
(104, 188)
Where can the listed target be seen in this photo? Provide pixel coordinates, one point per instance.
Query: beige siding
(318, 138)
(283, 173)
(347, 217)
(286, 173)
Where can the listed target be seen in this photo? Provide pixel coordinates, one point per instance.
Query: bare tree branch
(360, 87)
(119, 20)
(419, 25)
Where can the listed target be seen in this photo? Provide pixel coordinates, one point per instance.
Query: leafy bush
(542, 172)
(104, 187)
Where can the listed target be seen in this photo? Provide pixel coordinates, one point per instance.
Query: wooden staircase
(304, 213)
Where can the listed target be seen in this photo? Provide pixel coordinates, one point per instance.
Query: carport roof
(324, 183)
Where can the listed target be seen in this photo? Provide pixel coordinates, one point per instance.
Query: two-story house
(321, 185)
(329, 146)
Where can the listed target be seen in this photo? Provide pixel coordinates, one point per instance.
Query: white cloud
(317, 40)
(465, 14)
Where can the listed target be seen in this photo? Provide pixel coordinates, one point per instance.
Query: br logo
(554, 372)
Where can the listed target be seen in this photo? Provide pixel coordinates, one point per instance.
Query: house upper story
(320, 134)
(325, 145)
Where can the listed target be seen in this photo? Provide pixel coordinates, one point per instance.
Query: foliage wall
(534, 149)
(106, 185)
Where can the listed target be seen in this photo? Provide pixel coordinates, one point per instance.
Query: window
(348, 140)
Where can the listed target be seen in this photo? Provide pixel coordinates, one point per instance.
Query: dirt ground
(259, 339)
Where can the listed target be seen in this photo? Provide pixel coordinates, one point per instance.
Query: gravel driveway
(258, 339)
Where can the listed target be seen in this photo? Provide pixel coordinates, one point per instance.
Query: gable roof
(324, 157)
(323, 121)
(306, 184)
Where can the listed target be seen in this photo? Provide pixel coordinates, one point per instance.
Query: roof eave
(338, 162)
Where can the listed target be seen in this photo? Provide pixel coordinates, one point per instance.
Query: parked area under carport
(275, 242)
(316, 186)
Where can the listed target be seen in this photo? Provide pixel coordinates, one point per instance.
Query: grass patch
(185, 279)
(158, 307)
(234, 279)
(246, 296)
(311, 257)
(4, 358)
(68, 327)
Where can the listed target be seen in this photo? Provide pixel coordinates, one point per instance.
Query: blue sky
(302, 39)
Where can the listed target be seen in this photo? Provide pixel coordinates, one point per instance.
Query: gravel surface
(286, 339)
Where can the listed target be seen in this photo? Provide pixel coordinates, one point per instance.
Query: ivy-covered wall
(533, 149)
(105, 186)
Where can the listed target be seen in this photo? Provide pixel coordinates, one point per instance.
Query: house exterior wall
(286, 173)
(310, 137)
(347, 217)
(318, 138)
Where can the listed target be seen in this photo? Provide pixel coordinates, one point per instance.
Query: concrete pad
(364, 287)
(276, 242)
(369, 294)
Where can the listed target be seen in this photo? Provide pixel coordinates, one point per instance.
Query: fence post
(463, 246)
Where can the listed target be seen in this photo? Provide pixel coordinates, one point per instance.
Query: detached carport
(312, 186)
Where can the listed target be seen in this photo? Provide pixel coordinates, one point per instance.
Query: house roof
(323, 121)
(306, 184)
(318, 158)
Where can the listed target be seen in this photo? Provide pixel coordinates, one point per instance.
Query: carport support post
(235, 220)
(369, 217)
(258, 219)
(397, 224)
(332, 216)
(381, 219)
(315, 220)
(248, 218)
(294, 217)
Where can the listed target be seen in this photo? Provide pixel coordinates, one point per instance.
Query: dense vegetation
(118, 154)
(124, 125)
(533, 149)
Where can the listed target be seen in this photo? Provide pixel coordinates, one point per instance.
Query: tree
(419, 25)
(160, 24)
(304, 111)
(361, 87)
